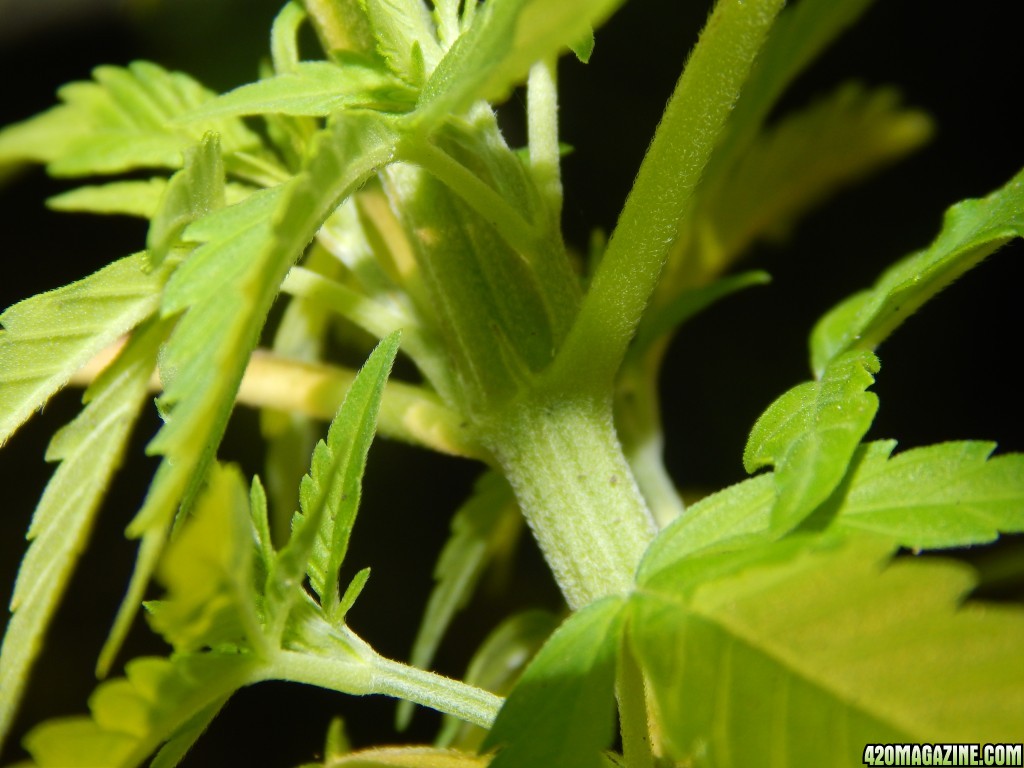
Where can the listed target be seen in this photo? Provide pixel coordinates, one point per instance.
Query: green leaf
(284, 36)
(946, 495)
(507, 37)
(121, 120)
(50, 336)
(406, 757)
(741, 510)
(806, 651)
(562, 710)
(485, 524)
(90, 449)
(798, 163)
(810, 434)
(330, 495)
(660, 201)
(971, 230)
(405, 37)
(208, 571)
(314, 88)
(203, 362)
(157, 701)
(132, 198)
(496, 666)
(191, 193)
(128, 198)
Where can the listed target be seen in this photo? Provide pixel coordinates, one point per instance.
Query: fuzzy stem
(576, 491)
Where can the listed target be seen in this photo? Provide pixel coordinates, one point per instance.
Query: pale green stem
(576, 491)
(479, 195)
(637, 749)
(542, 124)
(367, 675)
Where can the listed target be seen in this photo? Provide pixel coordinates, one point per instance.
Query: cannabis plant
(365, 196)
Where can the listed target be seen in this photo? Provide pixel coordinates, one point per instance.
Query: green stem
(491, 205)
(659, 200)
(637, 749)
(542, 124)
(576, 491)
(364, 675)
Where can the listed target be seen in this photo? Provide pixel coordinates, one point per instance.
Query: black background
(950, 373)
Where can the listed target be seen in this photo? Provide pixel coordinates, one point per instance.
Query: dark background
(950, 373)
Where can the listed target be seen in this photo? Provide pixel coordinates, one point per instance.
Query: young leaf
(119, 121)
(208, 571)
(806, 653)
(313, 88)
(90, 449)
(405, 757)
(191, 193)
(50, 336)
(129, 198)
(810, 434)
(507, 37)
(206, 356)
(971, 230)
(483, 525)
(562, 710)
(405, 37)
(157, 701)
(946, 495)
(331, 492)
(330, 495)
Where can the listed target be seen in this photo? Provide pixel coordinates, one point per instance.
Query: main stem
(564, 461)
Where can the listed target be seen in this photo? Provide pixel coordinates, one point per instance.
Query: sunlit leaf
(90, 449)
(802, 653)
(315, 88)
(405, 37)
(208, 571)
(48, 337)
(946, 495)
(157, 701)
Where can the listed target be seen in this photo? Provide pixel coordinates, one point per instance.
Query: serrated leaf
(157, 701)
(945, 495)
(496, 666)
(330, 495)
(798, 163)
(119, 121)
(810, 434)
(480, 527)
(405, 37)
(971, 230)
(312, 88)
(192, 193)
(208, 571)
(497, 51)
(743, 509)
(90, 449)
(128, 198)
(562, 710)
(48, 337)
(203, 362)
(805, 653)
